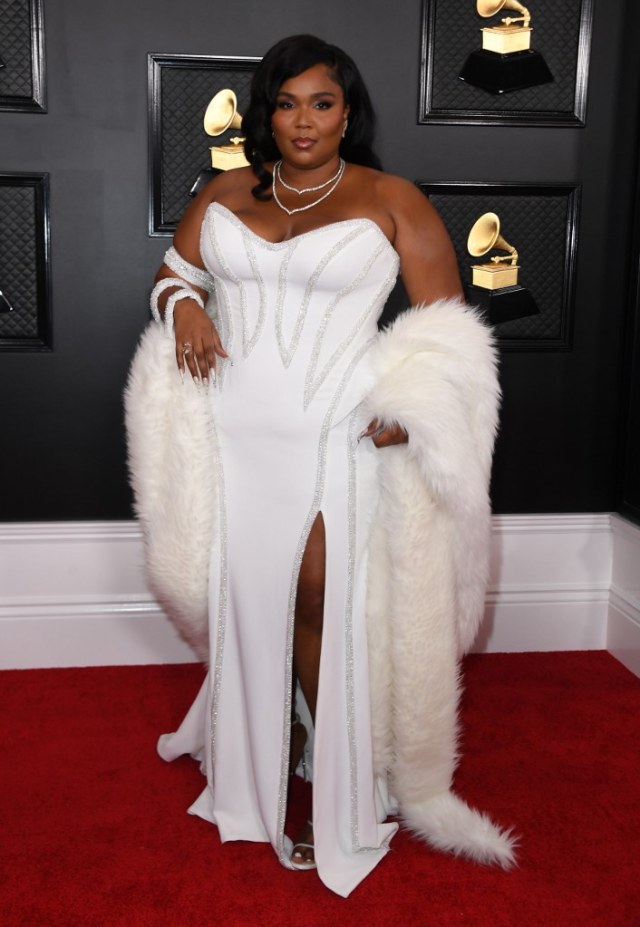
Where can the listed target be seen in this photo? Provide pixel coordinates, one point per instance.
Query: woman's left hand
(385, 437)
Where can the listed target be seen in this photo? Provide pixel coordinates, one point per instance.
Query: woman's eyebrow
(320, 93)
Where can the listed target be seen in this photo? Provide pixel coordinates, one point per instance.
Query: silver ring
(186, 348)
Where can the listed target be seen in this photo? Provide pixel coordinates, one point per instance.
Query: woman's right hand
(197, 340)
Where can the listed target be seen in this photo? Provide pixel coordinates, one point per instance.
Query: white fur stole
(436, 376)
(171, 457)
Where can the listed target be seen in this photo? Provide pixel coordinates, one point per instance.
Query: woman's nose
(303, 119)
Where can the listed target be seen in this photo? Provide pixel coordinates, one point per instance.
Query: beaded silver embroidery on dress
(250, 340)
(348, 632)
(298, 318)
(222, 609)
(224, 319)
(247, 341)
(316, 507)
(287, 352)
(312, 383)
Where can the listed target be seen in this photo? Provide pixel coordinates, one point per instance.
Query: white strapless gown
(298, 319)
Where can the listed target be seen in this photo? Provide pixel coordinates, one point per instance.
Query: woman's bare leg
(307, 634)
(307, 637)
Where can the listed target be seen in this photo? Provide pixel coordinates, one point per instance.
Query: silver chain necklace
(334, 181)
(277, 169)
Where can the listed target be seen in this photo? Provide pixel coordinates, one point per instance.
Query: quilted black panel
(23, 275)
(455, 32)
(15, 48)
(184, 92)
(541, 226)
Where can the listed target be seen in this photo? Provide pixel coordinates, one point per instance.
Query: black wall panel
(60, 412)
(623, 196)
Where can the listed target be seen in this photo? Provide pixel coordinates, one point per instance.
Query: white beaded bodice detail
(298, 319)
(313, 300)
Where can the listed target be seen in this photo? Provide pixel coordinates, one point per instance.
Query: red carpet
(93, 829)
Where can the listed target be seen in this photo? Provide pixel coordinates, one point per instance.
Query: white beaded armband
(183, 291)
(189, 272)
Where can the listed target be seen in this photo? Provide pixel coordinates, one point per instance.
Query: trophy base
(228, 157)
(506, 305)
(504, 40)
(504, 73)
(203, 178)
(494, 276)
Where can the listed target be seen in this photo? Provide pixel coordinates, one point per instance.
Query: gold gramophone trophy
(494, 285)
(506, 60)
(220, 116)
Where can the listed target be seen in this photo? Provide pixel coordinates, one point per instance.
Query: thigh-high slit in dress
(298, 319)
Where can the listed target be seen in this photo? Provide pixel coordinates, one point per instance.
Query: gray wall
(60, 415)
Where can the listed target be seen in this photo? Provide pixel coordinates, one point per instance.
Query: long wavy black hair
(288, 58)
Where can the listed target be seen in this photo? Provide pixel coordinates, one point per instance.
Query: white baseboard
(562, 618)
(623, 624)
(68, 632)
(549, 583)
(73, 594)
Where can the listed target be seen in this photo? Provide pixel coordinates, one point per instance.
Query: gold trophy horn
(488, 8)
(483, 237)
(222, 113)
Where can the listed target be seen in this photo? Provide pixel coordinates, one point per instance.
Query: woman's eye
(324, 104)
(284, 104)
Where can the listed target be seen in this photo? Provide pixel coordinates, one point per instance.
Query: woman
(303, 248)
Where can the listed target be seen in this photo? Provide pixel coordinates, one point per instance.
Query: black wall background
(63, 455)
(629, 151)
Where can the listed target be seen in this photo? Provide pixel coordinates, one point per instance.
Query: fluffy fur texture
(447, 823)
(436, 371)
(436, 376)
(171, 455)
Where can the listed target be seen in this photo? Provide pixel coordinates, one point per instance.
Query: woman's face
(309, 118)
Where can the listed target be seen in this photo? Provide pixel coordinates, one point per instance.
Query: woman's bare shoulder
(399, 199)
(240, 180)
(226, 188)
(405, 200)
(427, 259)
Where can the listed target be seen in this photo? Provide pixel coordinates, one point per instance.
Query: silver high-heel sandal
(297, 746)
(302, 863)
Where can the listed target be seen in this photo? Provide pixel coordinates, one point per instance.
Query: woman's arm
(192, 326)
(428, 264)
